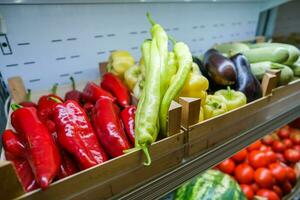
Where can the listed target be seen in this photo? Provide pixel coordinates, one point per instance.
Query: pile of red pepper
(55, 138)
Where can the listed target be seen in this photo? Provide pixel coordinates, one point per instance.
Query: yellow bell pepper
(215, 105)
(195, 85)
(201, 114)
(119, 62)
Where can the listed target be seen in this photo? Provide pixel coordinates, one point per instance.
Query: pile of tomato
(267, 167)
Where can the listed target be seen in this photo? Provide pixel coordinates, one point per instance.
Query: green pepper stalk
(28, 95)
(184, 59)
(233, 99)
(161, 36)
(215, 105)
(54, 88)
(15, 106)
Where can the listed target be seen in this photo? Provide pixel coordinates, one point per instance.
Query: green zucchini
(296, 68)
(273, 54)
(231, 48)
(259, 69)
(294, 52)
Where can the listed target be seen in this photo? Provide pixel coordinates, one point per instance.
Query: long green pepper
(148, 107)
(184, 59)
(161, 36)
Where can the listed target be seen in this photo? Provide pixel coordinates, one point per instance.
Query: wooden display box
(202, 136)
(105, 180)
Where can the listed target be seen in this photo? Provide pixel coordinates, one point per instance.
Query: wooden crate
(102, 181)
(204, 135)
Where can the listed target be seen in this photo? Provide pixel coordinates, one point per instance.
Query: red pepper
(76, 135)
(92, 92)
(45, 107)
(24, 172)
(28, 102)
(41, 151)
(12, 143)
(73, 94)
(87, 107)
(67, 167)
(108, 127)
(15, 151)
(127, 117)
(114, 84)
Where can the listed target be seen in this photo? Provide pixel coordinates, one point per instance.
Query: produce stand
(190, 146)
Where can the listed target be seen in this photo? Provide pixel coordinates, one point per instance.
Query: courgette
(273, 54)
(231, 48)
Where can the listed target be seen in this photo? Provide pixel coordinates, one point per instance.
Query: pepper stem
(146, 152)
(229, 92)
(151, 20)
(172, 39)
(55, 99)
(54, 88)
(73, 82)
(28, 95)
(131, 150)
(15, 106)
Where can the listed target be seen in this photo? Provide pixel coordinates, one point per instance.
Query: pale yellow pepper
(119, 62)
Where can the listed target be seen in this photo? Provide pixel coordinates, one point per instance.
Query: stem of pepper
(54, 88)
(229, 92)
(15, 106)
(73, 82)
(55, 99)
(28, 95)
(146, 152)
(150, 19)
(172, 39)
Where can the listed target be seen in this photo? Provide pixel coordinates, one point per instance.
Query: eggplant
(246, 82)
(220, 69)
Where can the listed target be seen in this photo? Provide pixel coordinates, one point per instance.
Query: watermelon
(211, 185)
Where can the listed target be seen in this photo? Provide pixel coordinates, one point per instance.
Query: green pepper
(148, 107)
(131, 76)
(215, 105)
(171, 67)
(184, 59)
(162, 44)
(233, 99)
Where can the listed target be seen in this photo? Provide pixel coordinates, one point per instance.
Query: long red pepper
(114, 84)
(92, 92)
(76, 135)
(43, 155)
(24, 171)
(45, 107)
(108, 127)
(73, 94)
(127, 117)
(28, 102)
(15, 152)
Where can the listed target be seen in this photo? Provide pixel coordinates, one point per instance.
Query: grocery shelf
(283, 110)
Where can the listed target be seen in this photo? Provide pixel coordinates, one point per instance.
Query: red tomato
(279, 172)
(264, 148)
(271, 156)
(257, 159)
(247, 190)
(254, 187)
(227, 166)
(280, 157)
(267, 140)
(254, 146)
(286, 187)
(284, 132)
(278, 146)
(240, 156)
(288, 142)
(291, 174)
(270, 195)
(277, 190)
(264, 177)
(292, 155)
(297, 147)
(244, 173)
(295, 137)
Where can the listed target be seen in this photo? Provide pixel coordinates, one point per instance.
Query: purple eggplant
(220, 69)
(246, 81)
